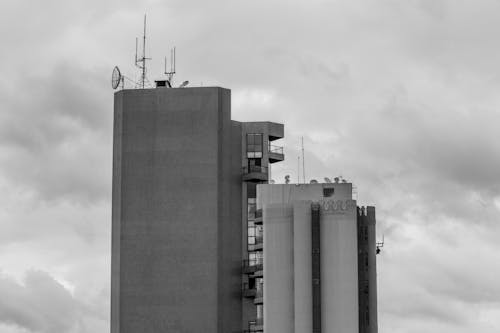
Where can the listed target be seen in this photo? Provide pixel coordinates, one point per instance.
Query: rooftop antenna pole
(144, 53)
(143, 59)
(171, 73)
(303, 162)
(298, 169)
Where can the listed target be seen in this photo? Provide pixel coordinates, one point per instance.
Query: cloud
(54, 135)
(399, 97)
(40, 305)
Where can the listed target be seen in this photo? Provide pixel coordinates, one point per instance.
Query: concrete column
(372, 270)
(302, 266)
(339, 267)
(278, 268)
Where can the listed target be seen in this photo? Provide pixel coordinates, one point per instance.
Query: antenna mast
(170, 74)
(141, 62)
(303, 162)
(298, 169)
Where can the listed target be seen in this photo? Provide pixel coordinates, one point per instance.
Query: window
(328, 191)
(252, 208)
(251, 190)
(254, 145)
(251, 233)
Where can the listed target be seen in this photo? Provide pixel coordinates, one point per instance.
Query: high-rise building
(195, 240)
(319, 259)
(184, 216)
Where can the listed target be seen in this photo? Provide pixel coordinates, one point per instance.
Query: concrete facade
(180, 212)
(201, 242)
(176, 209)
(294, 299)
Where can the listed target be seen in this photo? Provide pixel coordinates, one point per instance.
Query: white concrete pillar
(278, 268)
(302, 264)
(339, 267)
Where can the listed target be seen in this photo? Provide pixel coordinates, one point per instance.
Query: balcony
(258, 217)
(259, 296)
(256, 325)
(276, 154)
(255, 243)
(252, 265)
(248, 292)
(255, 173)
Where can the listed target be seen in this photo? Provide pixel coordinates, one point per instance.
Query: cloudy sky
(399, 97)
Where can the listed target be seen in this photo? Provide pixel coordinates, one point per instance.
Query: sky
(399, 97)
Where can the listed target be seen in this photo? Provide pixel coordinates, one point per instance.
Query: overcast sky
(399, 97)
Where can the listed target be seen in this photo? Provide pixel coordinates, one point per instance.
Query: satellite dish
(185, 83)
(116, 77)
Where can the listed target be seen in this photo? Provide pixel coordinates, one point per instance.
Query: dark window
(328, 191)
(251, 190)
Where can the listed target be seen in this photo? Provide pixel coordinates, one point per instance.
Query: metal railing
(247, 291)
(276, 149)
(259, 239)
(252, 265)
(256, 322)
(255, 325)
(255, 168)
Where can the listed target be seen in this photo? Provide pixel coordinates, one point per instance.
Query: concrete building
(319, 259)
(184, 218)
(200, 242)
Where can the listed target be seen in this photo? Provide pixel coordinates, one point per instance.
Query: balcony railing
(276, 154)
(255, 173)
(258, 217)
(255, 325)
(256, 322)
(275, 149)
(252, 265)
(259, 239)
(248, 291)
(255, 168)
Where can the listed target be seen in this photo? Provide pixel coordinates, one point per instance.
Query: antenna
(379, 245)
(303, 162)
(298, 169)
(117, 79)
(171, 73)
(141, 62)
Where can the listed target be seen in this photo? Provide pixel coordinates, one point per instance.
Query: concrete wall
(175, 260)
(278, 268)
(286, 193)
(288, 260)
(339, 266)
(367, 270)
(302, 266)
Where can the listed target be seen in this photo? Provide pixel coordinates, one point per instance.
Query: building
(319, 259)
(192, 216)
(186, 236)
